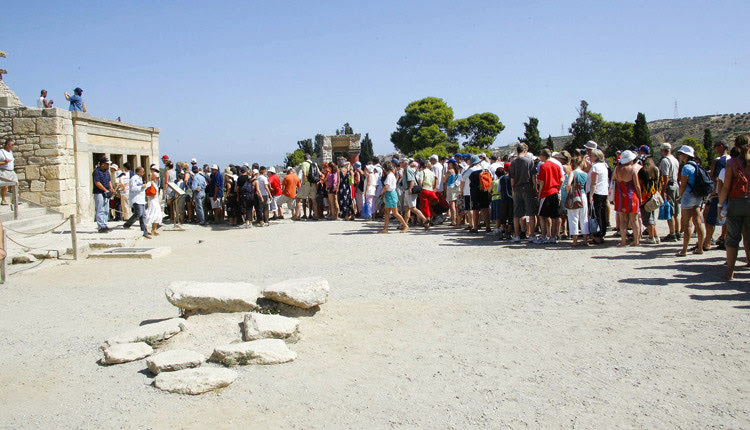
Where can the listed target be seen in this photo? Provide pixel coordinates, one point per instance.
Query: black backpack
(703, 185)
(247, 192)
(313, 175)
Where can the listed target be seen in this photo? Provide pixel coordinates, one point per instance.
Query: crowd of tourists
(539, 199)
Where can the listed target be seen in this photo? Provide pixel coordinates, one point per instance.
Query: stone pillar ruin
(348, 143)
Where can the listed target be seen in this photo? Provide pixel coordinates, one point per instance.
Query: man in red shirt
(549, 179)
(274, 183)
(289, 187)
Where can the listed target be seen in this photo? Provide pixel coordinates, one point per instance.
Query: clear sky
(243, 81)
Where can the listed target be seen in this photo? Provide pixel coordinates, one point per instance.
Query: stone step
(42, 222)
(24, 211)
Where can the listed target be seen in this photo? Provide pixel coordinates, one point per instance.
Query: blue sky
(243, 81)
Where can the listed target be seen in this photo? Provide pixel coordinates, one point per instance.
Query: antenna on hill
(562, 127)
(676, 112)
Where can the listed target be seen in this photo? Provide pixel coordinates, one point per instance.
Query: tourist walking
(138, 201)
(154, 214)
(7, 167)
(391, 199)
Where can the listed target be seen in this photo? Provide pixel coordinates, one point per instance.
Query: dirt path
(430, 330)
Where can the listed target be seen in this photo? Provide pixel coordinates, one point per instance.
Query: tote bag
(665, 211)
(593, 222)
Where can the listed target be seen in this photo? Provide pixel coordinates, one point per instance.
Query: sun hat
(482, 155)
(591, 145)
(434, 157)
(245, 164)
(687, 150)
(290, 169)
(214, 167)
(370, 168)
(474, 160)
(114, 166)
(272, 169)
(666, 146)
(645, 149)
(627, 156)
(193, 161)
(557, 155)
(256, 171)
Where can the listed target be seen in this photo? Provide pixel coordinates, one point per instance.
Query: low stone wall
(44, 150)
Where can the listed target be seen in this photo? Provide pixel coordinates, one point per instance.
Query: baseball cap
(474, 159)
(196, 169)
(103, 160)
(256, 171)
(165, 157)
(357, 165)
(395, 161)
(457, 155)
(467, 155)
(193, 161)
(77, 90)
(645, 149)
(506, 166)
(290, 169)
(114, 166)
(243, 169)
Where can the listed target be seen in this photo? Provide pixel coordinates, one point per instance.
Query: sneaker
(678, 236)
(516, 239)
(652, 240)
(266, 224)
(669, 238)
(552, 240)
(496, 231)
(533, 240)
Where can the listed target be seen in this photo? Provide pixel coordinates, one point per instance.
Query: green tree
(346, 129)
(306, 146)
(616, 136)
(641, 133)
(531, 136)
(588, 126)
(439, 150)
(425, 123)
(365, 152)
(708, 144)
(318, 147)
(700, 151)
(295, 158)
(476, 150)
(479, 129)
(550, 143)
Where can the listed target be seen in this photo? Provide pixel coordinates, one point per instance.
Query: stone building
(348, 143)
(56, 152)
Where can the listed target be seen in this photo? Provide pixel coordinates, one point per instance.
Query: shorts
(550, 206)
(467, 203)
(453, 193)
(506, 211)
(290, 201)
(480, 201)
(215, 203)
(8, 176)
(495, 209)
(524, 203)
(306, 191)
(410, 200)
(648, 218)
(273, 203)
(712, 214)
(672, 195)
(391, 200)
(738, 219)
(690, 200)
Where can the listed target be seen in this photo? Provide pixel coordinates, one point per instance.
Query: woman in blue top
(578, 218)
(452, 189)
(691, 204)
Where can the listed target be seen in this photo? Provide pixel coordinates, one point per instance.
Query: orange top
(290, 185)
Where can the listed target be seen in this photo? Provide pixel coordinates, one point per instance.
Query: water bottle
(723, 213)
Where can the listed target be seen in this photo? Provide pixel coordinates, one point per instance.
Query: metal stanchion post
(15, 201)
(3, 263)
(74, 237)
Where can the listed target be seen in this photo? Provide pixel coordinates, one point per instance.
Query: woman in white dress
(154, 213)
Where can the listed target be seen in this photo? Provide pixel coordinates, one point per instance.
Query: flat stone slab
(195, 381)
(150, 333)
(261, 326)
(211, 297)
(263, 351)
(176, 359)
(301, 292)
(125, 352)
(146, 253)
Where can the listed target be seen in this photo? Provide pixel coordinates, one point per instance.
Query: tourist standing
(691, 204)
(578, 217)
(332, 187)
(522, 174)
(648, 177)
(669, 169)
(408, 181)
(198, 185)
(598, 191)
(274, 183)
(265, 196)
(76, 100)
(627, 198)
(103, 191)
(42, 101)
(711, 214)
(154, 213)
(7, 167)
(289, 188)
(308, 188)
(549, 179)
(170, 177)
(735, 194)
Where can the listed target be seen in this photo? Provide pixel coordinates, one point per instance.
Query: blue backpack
(703, 185)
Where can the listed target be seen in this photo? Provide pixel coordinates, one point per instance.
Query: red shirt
(549, 172)
(275, 184)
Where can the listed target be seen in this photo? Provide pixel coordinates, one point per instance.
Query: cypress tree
(708, 144)
(365, 153)
(531, 136)
(641, 134)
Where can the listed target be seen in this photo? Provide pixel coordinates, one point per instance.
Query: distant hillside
(723, 127)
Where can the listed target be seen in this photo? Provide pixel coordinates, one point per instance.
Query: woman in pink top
(332, 187)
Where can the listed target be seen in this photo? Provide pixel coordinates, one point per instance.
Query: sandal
(383, 231)
(681, 254)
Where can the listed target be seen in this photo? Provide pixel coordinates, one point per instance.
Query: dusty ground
(429, 330)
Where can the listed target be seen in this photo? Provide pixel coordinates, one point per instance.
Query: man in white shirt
(494, 166)
(668, 172)
(437, 169)
(138, 200)
(483, 161)
(42, 102)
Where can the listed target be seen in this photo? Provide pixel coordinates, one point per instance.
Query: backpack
(703, 185)
(247, 192)
(485, 180)
(313, 175)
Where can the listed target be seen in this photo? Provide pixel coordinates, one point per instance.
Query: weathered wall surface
(44, 155)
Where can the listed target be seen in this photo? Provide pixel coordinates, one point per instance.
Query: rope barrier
(39, 232)
(27, 247)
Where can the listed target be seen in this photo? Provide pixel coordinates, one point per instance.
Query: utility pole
(676, 113)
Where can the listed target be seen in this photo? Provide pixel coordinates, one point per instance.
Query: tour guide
(103, 191)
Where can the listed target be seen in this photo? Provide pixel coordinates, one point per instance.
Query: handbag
(574, 199)
(151, 190)
(665, 211)
(593, 223)
(366, 211)
(653, 203)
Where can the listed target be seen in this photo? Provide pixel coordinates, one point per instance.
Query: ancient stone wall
(44, 150)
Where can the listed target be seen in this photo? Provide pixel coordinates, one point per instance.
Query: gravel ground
(432, 330)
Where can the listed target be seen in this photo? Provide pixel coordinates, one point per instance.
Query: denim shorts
(690, 200)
